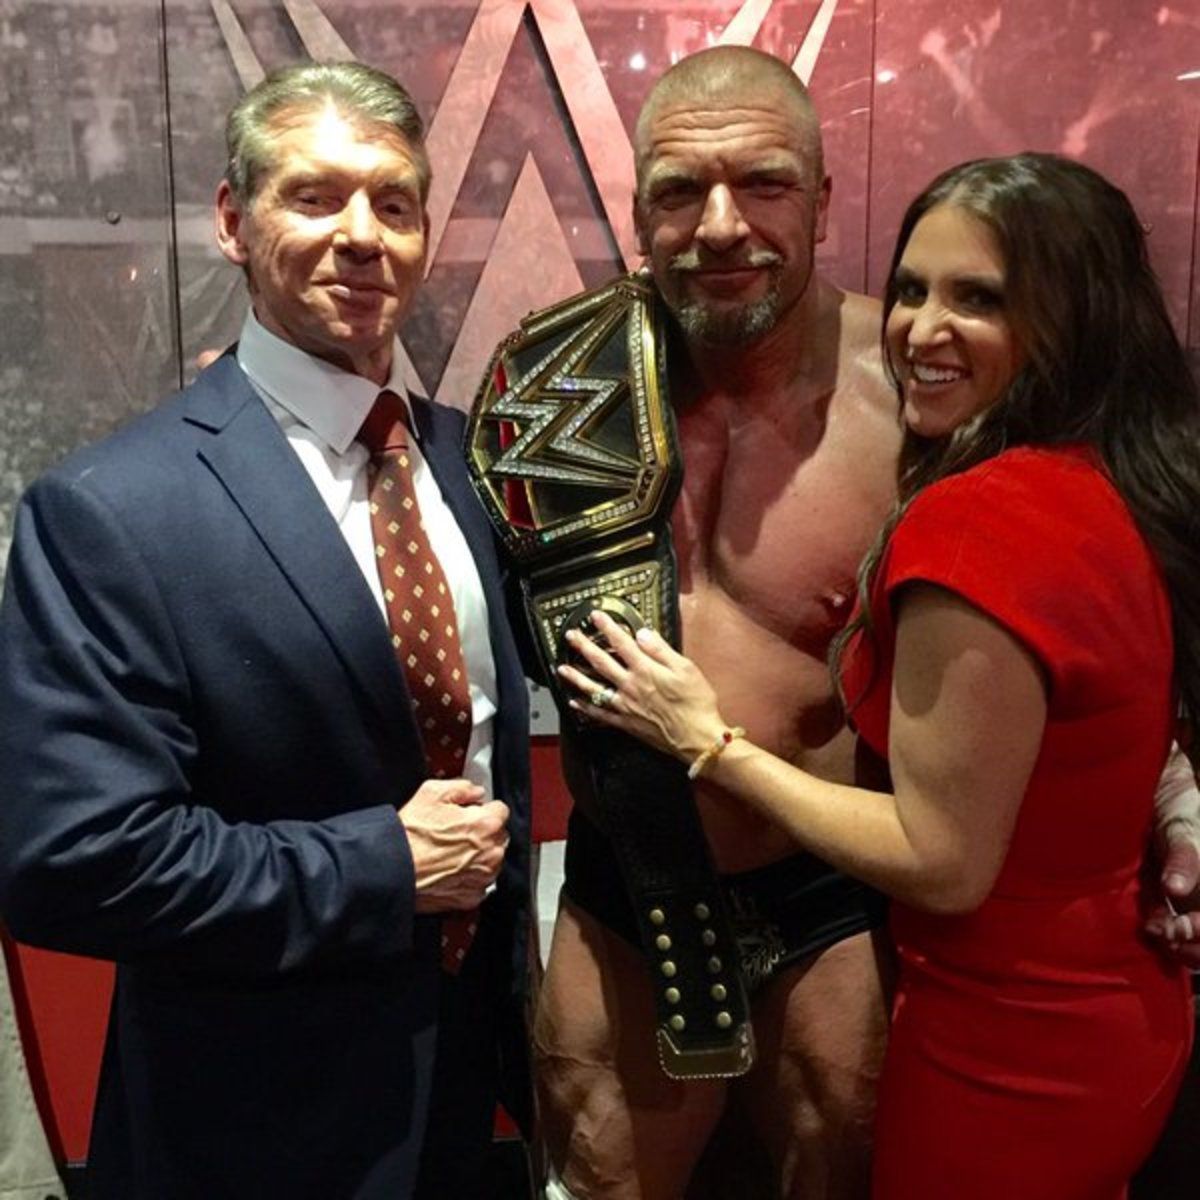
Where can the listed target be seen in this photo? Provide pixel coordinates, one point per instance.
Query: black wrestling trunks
(781, 913)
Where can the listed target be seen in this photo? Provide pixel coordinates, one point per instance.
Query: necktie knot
(386, 426)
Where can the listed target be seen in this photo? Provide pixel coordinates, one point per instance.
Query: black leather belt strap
(645, 807)
(572, 447)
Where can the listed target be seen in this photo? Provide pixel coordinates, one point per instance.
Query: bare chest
(775, 517)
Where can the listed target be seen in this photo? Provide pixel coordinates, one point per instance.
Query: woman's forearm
(968, 710)
(855, 830)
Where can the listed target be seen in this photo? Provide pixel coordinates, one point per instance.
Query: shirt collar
(331, 402)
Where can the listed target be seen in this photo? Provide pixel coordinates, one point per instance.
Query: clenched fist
(457, 840)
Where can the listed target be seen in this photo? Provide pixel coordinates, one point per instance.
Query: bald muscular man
(788, 435)
(788, 432)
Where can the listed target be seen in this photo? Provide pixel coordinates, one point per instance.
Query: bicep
(968, 712)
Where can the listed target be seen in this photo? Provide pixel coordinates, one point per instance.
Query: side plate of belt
(573, 451)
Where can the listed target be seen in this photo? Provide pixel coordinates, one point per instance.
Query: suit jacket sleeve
(106, 847)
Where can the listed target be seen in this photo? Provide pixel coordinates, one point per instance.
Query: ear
(821, 216)
(229, 218)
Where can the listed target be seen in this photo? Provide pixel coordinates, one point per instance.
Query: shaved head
(726, 75)
(731, 196)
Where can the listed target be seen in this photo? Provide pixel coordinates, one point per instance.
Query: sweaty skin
(789, 435)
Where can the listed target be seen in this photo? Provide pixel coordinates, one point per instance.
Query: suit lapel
(443, 450)
(267, 482)
(444, 453)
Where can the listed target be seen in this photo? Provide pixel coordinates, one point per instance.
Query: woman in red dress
(1027, 634)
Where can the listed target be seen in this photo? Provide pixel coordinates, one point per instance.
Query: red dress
(1037, 1043)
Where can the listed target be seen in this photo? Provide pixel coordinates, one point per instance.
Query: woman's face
(948, 335)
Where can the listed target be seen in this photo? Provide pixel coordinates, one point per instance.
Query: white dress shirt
(320, 408)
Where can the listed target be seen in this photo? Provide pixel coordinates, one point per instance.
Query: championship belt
(573, 451)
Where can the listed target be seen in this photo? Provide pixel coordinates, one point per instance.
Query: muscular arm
(968, 712)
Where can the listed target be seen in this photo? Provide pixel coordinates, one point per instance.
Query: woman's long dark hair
(1102, 366)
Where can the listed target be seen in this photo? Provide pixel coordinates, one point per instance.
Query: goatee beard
(732, 327)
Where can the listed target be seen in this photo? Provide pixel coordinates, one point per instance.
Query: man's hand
(457, 840)
(1177, 835)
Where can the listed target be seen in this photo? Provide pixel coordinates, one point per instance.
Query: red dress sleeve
(1040, 541)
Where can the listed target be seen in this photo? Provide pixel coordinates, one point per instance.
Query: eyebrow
(402, 183)
(303, 179)
(985, 283)
(773, 170)
(662, 179)
(667, 177)
(994, 283)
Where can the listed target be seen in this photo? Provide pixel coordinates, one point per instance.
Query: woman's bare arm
(967, 717)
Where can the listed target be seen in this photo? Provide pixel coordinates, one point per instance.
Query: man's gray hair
(358, 92)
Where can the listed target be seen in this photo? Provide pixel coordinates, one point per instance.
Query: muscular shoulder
(862, 325)
(858, 321)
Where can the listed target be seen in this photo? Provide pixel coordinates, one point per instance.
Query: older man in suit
(262, 723)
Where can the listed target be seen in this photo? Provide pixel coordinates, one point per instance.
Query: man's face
(728, 213)
(333, 239)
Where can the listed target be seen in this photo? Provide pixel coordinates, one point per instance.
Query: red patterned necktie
(420, 612)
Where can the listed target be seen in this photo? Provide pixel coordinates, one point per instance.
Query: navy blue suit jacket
(204, 738)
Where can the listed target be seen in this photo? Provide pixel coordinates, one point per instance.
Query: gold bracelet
(714, 751)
